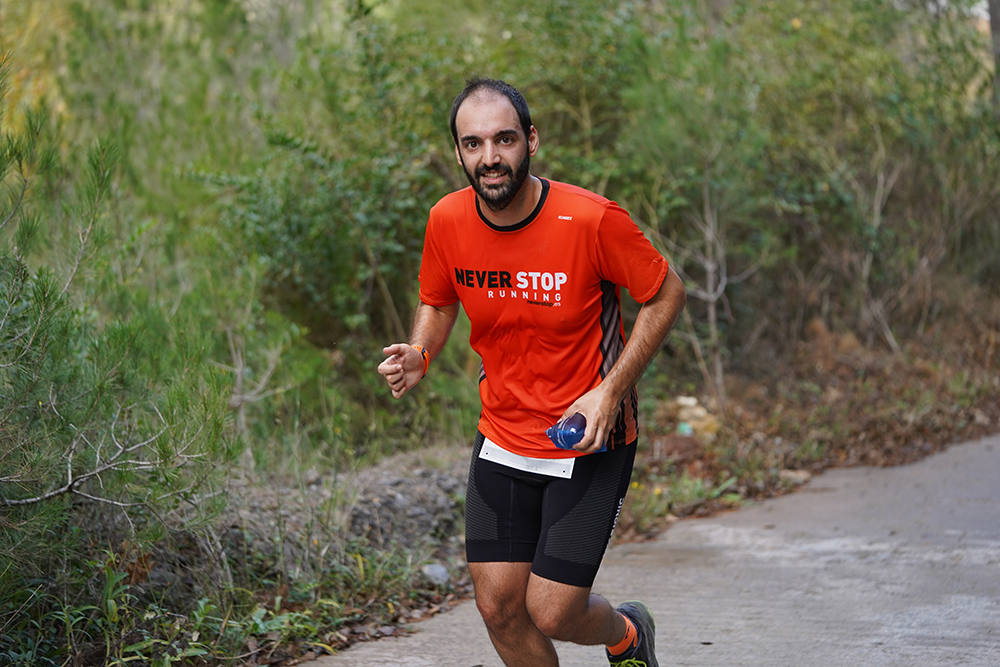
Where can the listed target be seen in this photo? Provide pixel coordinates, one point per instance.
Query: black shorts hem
(565, 572)
(499, 552)
(554, 569)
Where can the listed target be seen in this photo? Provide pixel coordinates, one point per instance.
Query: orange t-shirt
(543, 298)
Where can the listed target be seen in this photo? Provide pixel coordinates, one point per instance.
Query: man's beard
(498, 197)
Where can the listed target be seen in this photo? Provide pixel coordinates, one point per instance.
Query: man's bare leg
(572, 613)
(501, 590)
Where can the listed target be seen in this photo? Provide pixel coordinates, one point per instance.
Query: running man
(538, 266)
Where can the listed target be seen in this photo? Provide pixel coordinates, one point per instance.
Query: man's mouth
(493, 176)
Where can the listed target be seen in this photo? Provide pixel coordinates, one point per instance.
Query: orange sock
(628, 641)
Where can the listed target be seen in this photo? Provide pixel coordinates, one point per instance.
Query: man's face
(492, 148)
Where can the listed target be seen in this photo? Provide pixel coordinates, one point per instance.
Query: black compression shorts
(561, 526)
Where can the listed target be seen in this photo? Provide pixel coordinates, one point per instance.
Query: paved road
(864, 566)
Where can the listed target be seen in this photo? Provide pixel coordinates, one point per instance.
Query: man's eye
(471, 145)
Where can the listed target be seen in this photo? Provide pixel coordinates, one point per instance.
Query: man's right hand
(403, 368)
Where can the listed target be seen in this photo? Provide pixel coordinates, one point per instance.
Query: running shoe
(642, 654)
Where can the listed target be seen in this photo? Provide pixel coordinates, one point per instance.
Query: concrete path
(863, 566)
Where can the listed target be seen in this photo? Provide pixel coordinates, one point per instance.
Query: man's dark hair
(502, 87)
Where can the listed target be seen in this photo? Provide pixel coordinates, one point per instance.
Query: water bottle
(568, 431)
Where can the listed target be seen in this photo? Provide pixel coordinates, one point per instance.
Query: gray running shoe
(642, 654)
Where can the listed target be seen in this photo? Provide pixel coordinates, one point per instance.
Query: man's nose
(492, 155)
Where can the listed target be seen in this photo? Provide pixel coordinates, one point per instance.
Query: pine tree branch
(119, 461)
(84, 237)
(102, 159)
(17, 204)
(27, 345)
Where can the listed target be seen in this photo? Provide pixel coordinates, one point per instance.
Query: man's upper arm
(627, 258)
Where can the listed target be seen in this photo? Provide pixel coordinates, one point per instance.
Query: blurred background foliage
(213, 213)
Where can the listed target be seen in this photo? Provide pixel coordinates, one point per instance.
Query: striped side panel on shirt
(612, 345)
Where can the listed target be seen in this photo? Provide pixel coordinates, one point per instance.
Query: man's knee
(500, 612)
(554, 620)
(500, 593)
(557, 609)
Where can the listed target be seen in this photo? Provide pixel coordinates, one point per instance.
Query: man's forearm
(432, 325)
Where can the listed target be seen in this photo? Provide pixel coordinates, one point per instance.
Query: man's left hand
(601, 412)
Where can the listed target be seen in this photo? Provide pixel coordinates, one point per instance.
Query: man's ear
(458, 156)
(532, 141)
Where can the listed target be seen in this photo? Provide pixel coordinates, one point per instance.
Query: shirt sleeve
(626, 257)
(436, 286)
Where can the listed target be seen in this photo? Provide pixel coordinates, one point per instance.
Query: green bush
(104, 397)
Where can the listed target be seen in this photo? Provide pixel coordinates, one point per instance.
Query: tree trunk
(995, 31)
(715, 255)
